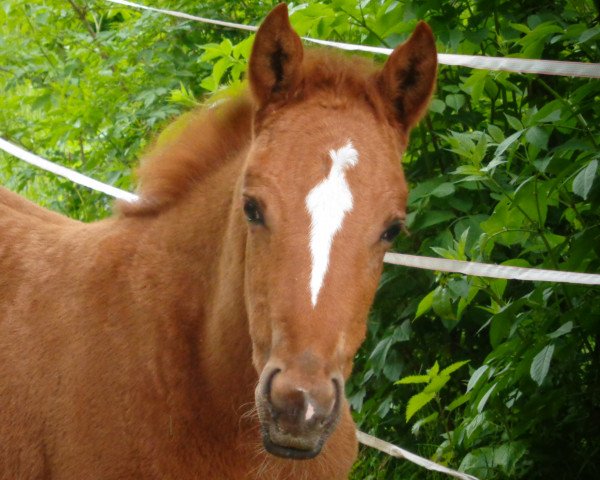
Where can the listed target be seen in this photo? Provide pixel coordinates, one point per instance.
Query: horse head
(323, 196)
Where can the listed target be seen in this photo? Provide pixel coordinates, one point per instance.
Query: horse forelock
(211, 137)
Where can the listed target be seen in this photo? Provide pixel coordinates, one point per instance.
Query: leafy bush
(503, 169)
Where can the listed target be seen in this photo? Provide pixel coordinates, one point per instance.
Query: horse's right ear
(274, 67)
(408, 77)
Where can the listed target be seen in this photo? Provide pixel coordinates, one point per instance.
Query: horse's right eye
(253, 211)
(391, 232)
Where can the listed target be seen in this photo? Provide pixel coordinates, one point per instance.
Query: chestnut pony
(206, 330)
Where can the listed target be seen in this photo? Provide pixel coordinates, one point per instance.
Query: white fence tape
(414, 261)
(186, 16)
(395, 451)
(489, 270)
(75, 177)
(517, 65)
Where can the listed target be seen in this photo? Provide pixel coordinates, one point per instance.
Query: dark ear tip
(423, 31)
(423, 25)
(281, 7)
(280, 13)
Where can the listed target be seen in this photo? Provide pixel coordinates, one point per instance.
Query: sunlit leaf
(417, 402)
(541, 364)
(582, 184)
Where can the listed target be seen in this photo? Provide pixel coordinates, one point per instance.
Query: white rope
(490, 270)
(186, 16)
(65, 172)
(517, 65)
(395, 451)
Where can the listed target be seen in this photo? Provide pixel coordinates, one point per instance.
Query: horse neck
(194, 252)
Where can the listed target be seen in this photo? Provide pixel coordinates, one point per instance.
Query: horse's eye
(391, 232)
(253, 212)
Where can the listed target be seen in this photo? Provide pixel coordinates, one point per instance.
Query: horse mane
(207, 138)
(211, 137)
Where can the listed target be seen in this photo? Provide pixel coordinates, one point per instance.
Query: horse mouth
(287, 452)
(292, 431)
(295, 445)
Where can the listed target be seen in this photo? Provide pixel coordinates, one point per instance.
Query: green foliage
(88, 84)
(503, 169)
(434, 381)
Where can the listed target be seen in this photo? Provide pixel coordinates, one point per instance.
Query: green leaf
(211, 52)
(541, 364)
(43, 102)
(455, 101)
(423, 190)
(491, 166)
(423, 421)
(496, 133)
(219, 69)
(444, 190)
(582, 184)
(356, 399)
(515, 123)
(475, 423)
(508, 220)
(243, 48)
(454, 367)
(437, 106)
(413, 379)
(417, 402)
(460, 287)
(486, 396)
(480, 148)
(488, 462)
(393, 366)
(477, 374)
(442, 303)
(549, 113)
(384, 407)
(471, 170)
(403, 332)
(562, 330)
(500, 326)
(425, 304)
(532, 198)
(589, 34)
(457, 402)
(437, 383)
(379, 354)
(508, 142)
(475, 84)
(538, 136)
(430, 218)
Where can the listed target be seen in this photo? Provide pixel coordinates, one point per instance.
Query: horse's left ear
(274, 67)
(408, 77)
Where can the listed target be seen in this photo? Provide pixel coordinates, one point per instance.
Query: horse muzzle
(296, 415)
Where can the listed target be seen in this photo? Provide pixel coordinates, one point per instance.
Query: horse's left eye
(391, 232)
(253, 211)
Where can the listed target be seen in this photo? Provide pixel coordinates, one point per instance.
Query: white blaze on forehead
(328, 203)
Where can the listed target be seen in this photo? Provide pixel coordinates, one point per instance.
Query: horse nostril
(337, 385)
(267, 386)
